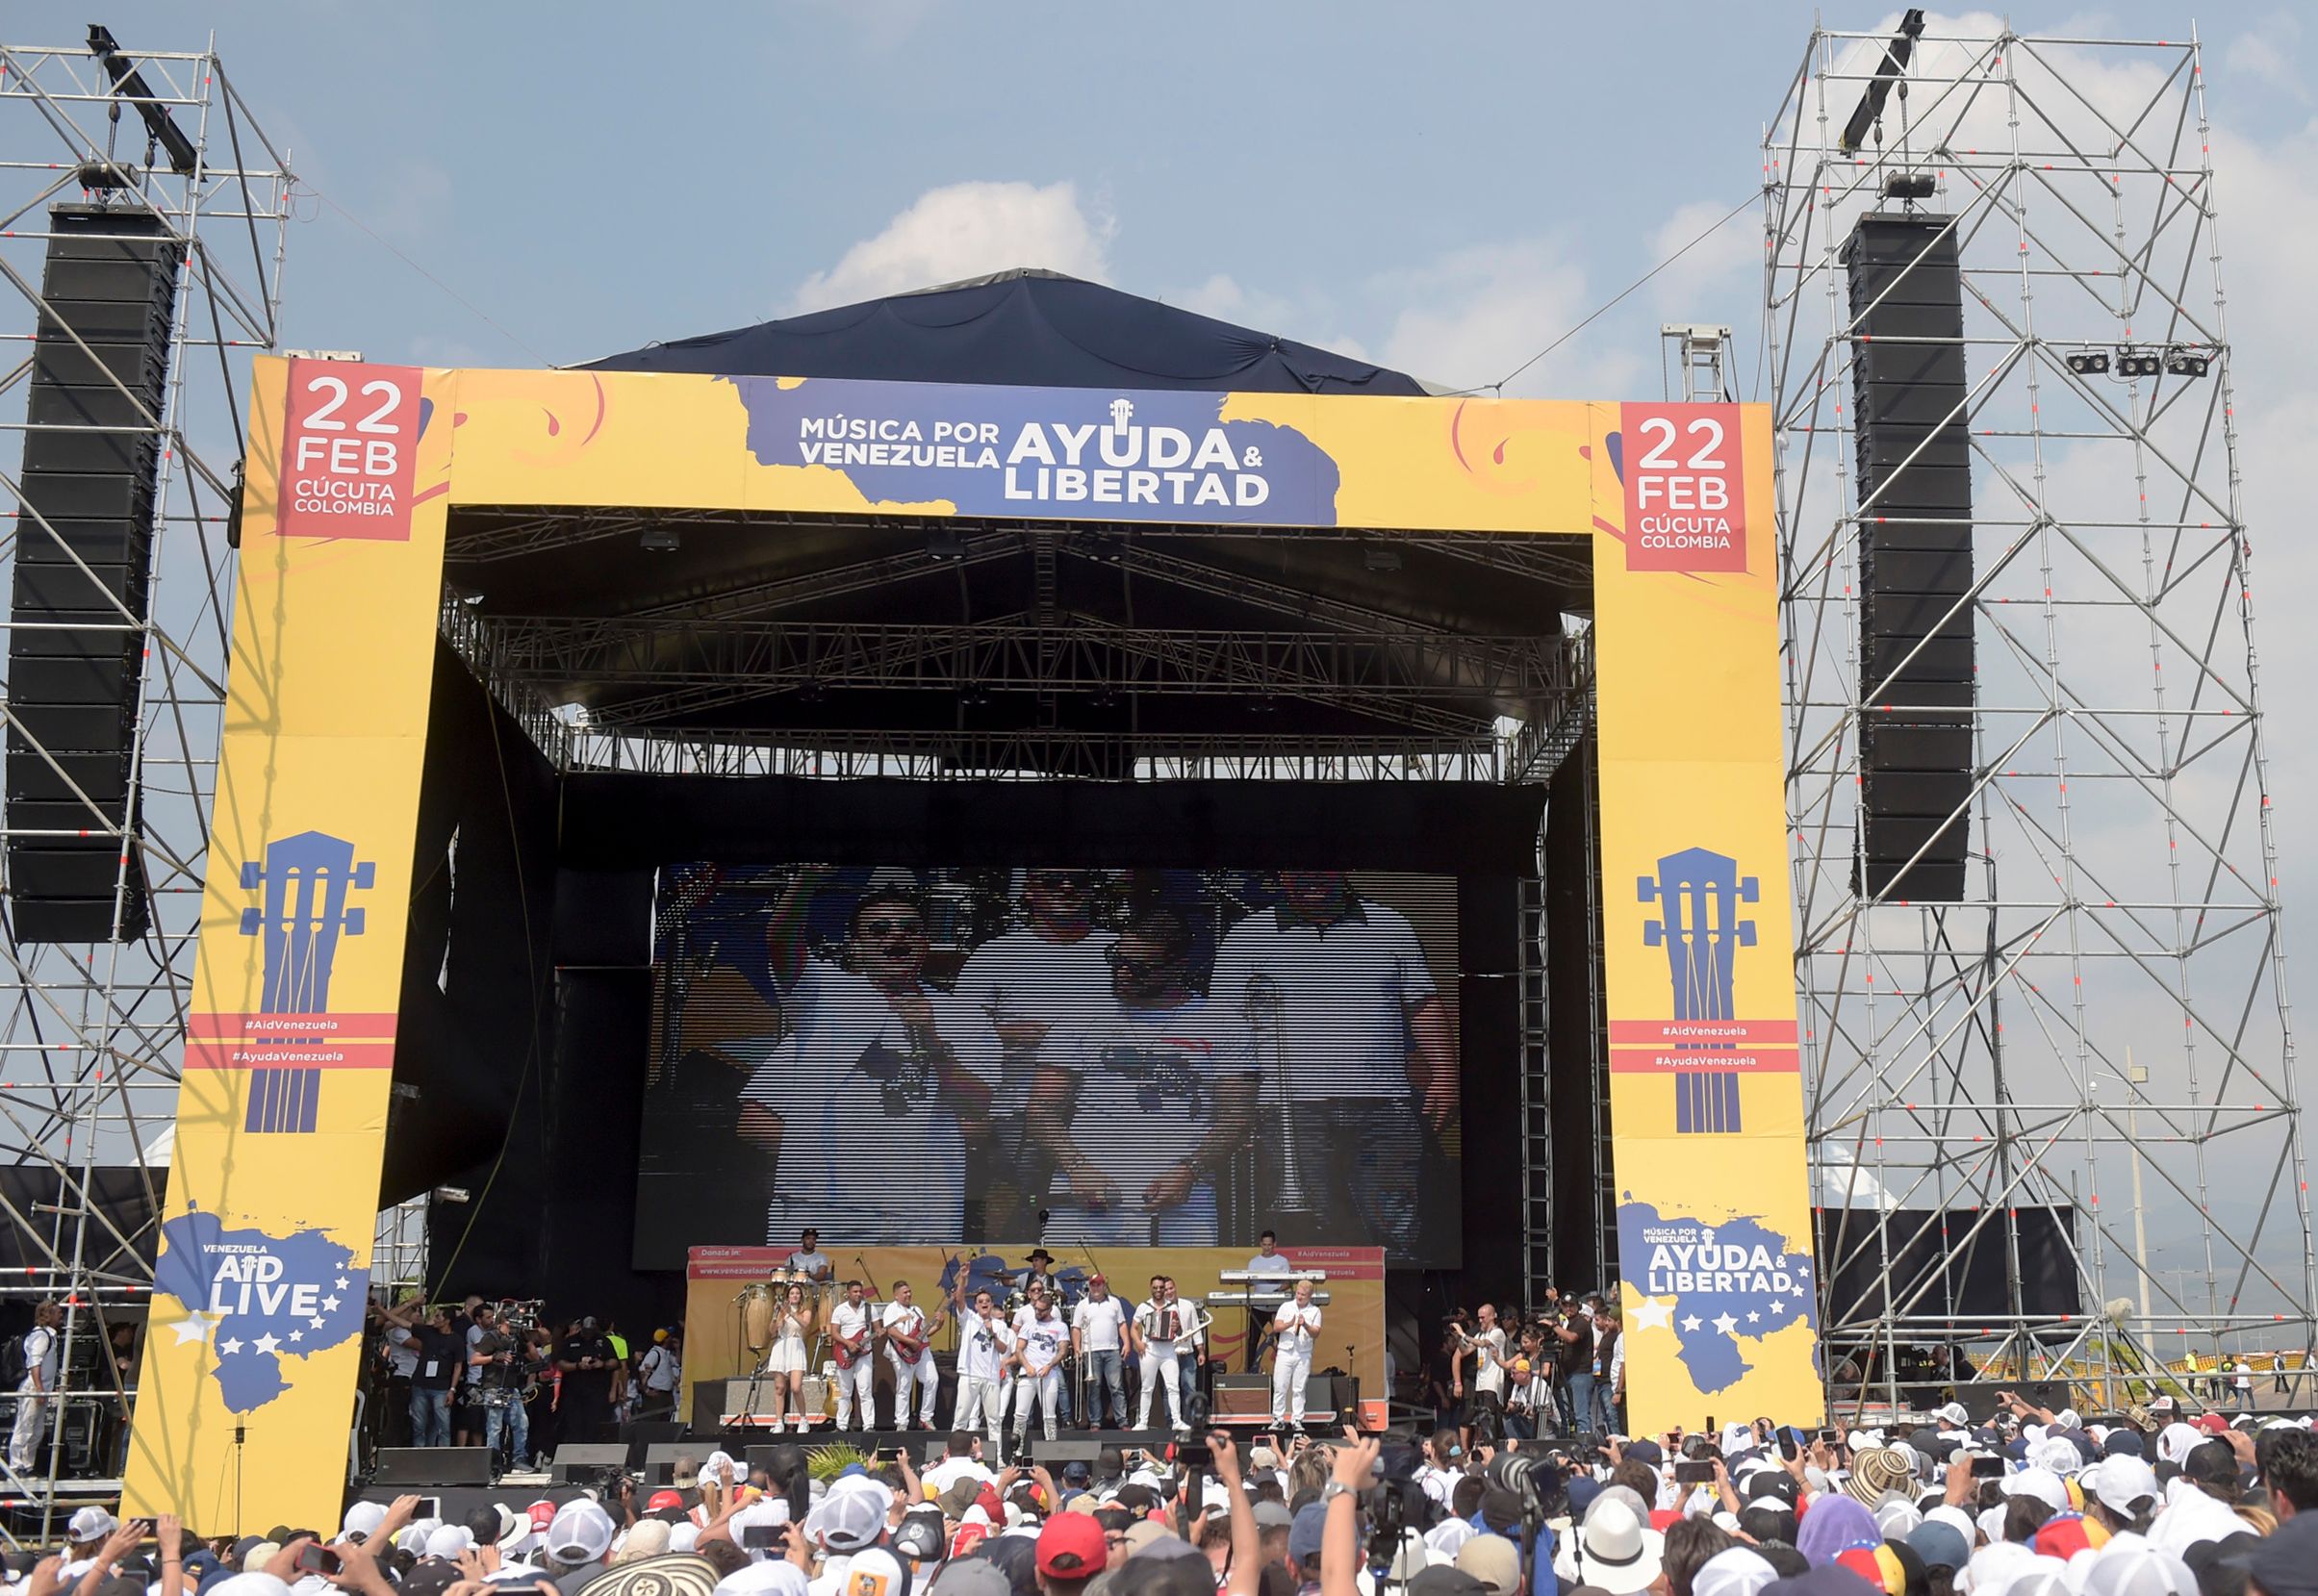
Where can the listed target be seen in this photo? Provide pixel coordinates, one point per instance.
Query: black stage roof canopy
(856, 628)
(1022, 328)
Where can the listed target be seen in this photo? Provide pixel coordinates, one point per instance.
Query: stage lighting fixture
(1381, 557)
(2089, 363)
(129, 83)
(662, 538)
(1887, 73)
(2138, 363)
(1909, 186)
(1107, 547)
(2183, 362)
(945, 543)
(974, 694)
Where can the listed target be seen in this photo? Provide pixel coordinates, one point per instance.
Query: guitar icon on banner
(1698, 892)
(306, 878)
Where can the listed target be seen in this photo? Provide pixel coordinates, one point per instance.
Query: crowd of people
(2032, 1502)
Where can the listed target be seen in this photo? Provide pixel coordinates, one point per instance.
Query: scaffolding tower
(90, 1034)
(2105, 1016)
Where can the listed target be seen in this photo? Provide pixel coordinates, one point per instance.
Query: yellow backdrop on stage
(1352, 1329)
(248, 1378)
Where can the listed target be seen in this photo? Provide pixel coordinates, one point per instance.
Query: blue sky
(1447, 185)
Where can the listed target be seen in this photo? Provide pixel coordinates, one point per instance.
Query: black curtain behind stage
(554, 1214)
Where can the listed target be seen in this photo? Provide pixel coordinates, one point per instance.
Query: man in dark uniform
(586, 1361)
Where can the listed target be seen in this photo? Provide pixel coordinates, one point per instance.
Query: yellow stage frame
(246, 1392)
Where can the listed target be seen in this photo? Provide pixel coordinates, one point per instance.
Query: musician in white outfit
(984, 1345)
(904, 1325)
(1040, 1339)
(1159, 1324)
(785, 1363)
(853, 1326)
(1294, 1328)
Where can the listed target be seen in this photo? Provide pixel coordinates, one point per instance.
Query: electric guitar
(847, 1351)
(913, 1345)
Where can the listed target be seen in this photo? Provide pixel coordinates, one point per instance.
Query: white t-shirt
(1041, 1340)
(815, 1263)
(2243, 1371)
(1298, 1326)
(1489, 1371)
(910, 1321)
(1147, 1080)
(1100, 1323)
(402, 1352)
(868, 1142)
(982, 1345)
(40, 1358)
(1344, 992)
(1020, 978)
(847, 1322)
(1270, 1263)
(951, 1470)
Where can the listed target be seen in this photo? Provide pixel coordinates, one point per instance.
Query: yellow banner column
(246, 1399)
(1719, 1291)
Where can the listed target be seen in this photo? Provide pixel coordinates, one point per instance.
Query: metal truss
(90, 1036)
(2109, 1007)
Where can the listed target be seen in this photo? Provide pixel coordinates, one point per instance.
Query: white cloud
(967, 230)
(1470, 316)
(1720, 277)
(2266, 55)
(1227, 299)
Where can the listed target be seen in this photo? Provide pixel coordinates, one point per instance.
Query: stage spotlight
(2138, 363)
(1107, 547)
(974, 694)
(662, 538)
(2089, 363)
(945, 543)
(2184, 361)
(1381, 557)
(1909, 186)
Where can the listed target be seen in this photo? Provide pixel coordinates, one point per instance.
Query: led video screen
(1091, 1058)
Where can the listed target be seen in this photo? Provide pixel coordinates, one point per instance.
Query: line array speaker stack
(1915, 491)
(74, 658)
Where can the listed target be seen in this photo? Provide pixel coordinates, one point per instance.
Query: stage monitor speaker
(578, 1460)
(1244, 1396)
(658, 1459)
(84, 544)
(433, 1465)
(1056, 1453)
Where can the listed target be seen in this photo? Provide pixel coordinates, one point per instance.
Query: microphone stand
(1087, 1415)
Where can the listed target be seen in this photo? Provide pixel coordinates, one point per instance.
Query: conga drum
(757, 1304)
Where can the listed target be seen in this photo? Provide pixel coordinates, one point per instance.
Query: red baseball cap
(1072, 1547)
(543, 1514)
(664, 1499)
(2212, 1424)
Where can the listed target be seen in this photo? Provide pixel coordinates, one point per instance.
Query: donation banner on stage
(263, 1278)
(352, 472)
(1352, 1316)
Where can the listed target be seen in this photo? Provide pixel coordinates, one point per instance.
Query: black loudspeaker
(659, 1457)
(577, 1460)
(74, 657)
(1915, 610)
(433, 1465)
(1055, 1454)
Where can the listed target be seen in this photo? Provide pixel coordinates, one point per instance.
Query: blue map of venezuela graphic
(261, 1297)
(1735, 1282)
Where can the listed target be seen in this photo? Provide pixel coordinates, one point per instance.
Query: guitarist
(909, 1335)
(852, 1330)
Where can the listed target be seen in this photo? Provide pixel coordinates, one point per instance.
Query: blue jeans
(517, 1423)
(1187, 1376)
(430, 1417)
(1105, 1373)
(1582, 1404)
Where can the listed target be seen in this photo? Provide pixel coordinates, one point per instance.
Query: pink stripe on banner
(1700, 1033)
(289, 1055)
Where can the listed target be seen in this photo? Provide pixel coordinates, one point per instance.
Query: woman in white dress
(792, 1322)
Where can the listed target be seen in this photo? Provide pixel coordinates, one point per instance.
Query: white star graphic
(1650, 1313)
(329, 1305)
(194, 1326)
(231, 1345)
(1777, 1306)
(1797, 1292)
(1725, 1323)
(1691, 1323)
(342, 1282)
(316, 1322)
(1752, 1317)
(297, 1336)
(267, 1343)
